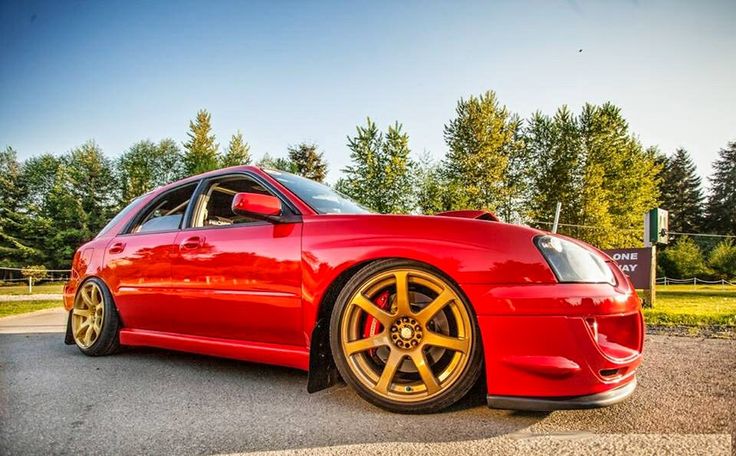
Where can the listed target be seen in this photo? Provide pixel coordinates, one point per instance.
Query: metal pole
(557, 217)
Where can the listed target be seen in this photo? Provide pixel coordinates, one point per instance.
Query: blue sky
(285, 72)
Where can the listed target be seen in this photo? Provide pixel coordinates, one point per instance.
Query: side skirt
(278, 355)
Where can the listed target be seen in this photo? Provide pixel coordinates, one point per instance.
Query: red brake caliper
(373, 326)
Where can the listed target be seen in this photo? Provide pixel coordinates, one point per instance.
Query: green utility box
(656, 227)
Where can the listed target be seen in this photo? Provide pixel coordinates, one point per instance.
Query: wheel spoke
(360, 345)
(82, 312)
(387, 376)
(403, 305)
(425, 371)
(364, 303)
(431, 309)
(87, 296)
(97, 327)
(88, 336)
(96, 296)
(82, 328)
(452, 343)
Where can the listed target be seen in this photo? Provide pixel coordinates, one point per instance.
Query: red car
(266, 266)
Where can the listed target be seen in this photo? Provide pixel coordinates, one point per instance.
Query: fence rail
(691, 281)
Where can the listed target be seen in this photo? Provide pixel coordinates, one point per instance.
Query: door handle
(192, 243)
(117, 247)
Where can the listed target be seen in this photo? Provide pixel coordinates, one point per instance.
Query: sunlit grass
(688, 305)
(22, 289)
(19, 307)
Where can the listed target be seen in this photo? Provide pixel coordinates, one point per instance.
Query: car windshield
(319, 197)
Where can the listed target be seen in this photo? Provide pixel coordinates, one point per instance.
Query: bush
(723, 260)
(683, 260)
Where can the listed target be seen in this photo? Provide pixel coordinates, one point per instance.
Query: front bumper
(562, 346)
(547, 404)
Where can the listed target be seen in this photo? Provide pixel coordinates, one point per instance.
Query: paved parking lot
(55, 400)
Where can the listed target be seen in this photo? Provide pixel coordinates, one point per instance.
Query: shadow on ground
(155, 401)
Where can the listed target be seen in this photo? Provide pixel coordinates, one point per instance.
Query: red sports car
(266, 266)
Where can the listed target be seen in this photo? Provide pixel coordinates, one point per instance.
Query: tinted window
(319, 197)
(166, 212)
(216, 202)
(120, 216)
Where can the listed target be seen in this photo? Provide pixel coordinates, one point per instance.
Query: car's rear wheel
(94, 319)
(405, 338)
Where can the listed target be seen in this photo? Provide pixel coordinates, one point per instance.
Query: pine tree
(482, 140)
(721, 207)
(682, 194)
(91, 181)
(201, 149)
(308, 162)
(379, 176)
(15, 248)
(238, 152)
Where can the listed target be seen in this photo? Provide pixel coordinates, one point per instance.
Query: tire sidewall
(454, 393)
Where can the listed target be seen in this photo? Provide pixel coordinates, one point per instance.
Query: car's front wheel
(94, 319)
(405, 338)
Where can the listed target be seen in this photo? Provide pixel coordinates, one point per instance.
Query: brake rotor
(439, 324)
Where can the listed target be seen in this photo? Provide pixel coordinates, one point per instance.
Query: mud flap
(69, 337)
(322, 370)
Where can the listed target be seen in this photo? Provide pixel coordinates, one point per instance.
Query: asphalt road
(55, 400)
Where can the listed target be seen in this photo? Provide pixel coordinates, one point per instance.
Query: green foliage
(682, 194)
(557, 171)
(15, 247)
(201, 149)
(484, 142)
(36, 272)
(722, 259)
(683, 259)
(147, 165)
(280, 163)
(721, 207)
(380, 173)
(433, 189)
(238, 152)
(308, 162)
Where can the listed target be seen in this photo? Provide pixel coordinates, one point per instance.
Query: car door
(238, 277)
(139, 262)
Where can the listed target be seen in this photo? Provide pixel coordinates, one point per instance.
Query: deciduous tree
(482, 140)
(146, 165)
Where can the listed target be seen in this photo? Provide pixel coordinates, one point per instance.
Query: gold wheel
(88, 315)
(411, 347)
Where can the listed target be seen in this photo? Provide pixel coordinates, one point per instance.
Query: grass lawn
(686, 305)
(19, 307)
(44, 288)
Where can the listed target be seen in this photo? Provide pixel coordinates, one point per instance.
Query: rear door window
(166, 213)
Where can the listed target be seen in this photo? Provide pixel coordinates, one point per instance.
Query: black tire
(108, 341)
(453, 393)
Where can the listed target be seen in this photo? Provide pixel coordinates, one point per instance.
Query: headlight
(572, 263)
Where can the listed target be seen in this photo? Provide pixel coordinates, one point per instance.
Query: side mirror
(256, 205)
